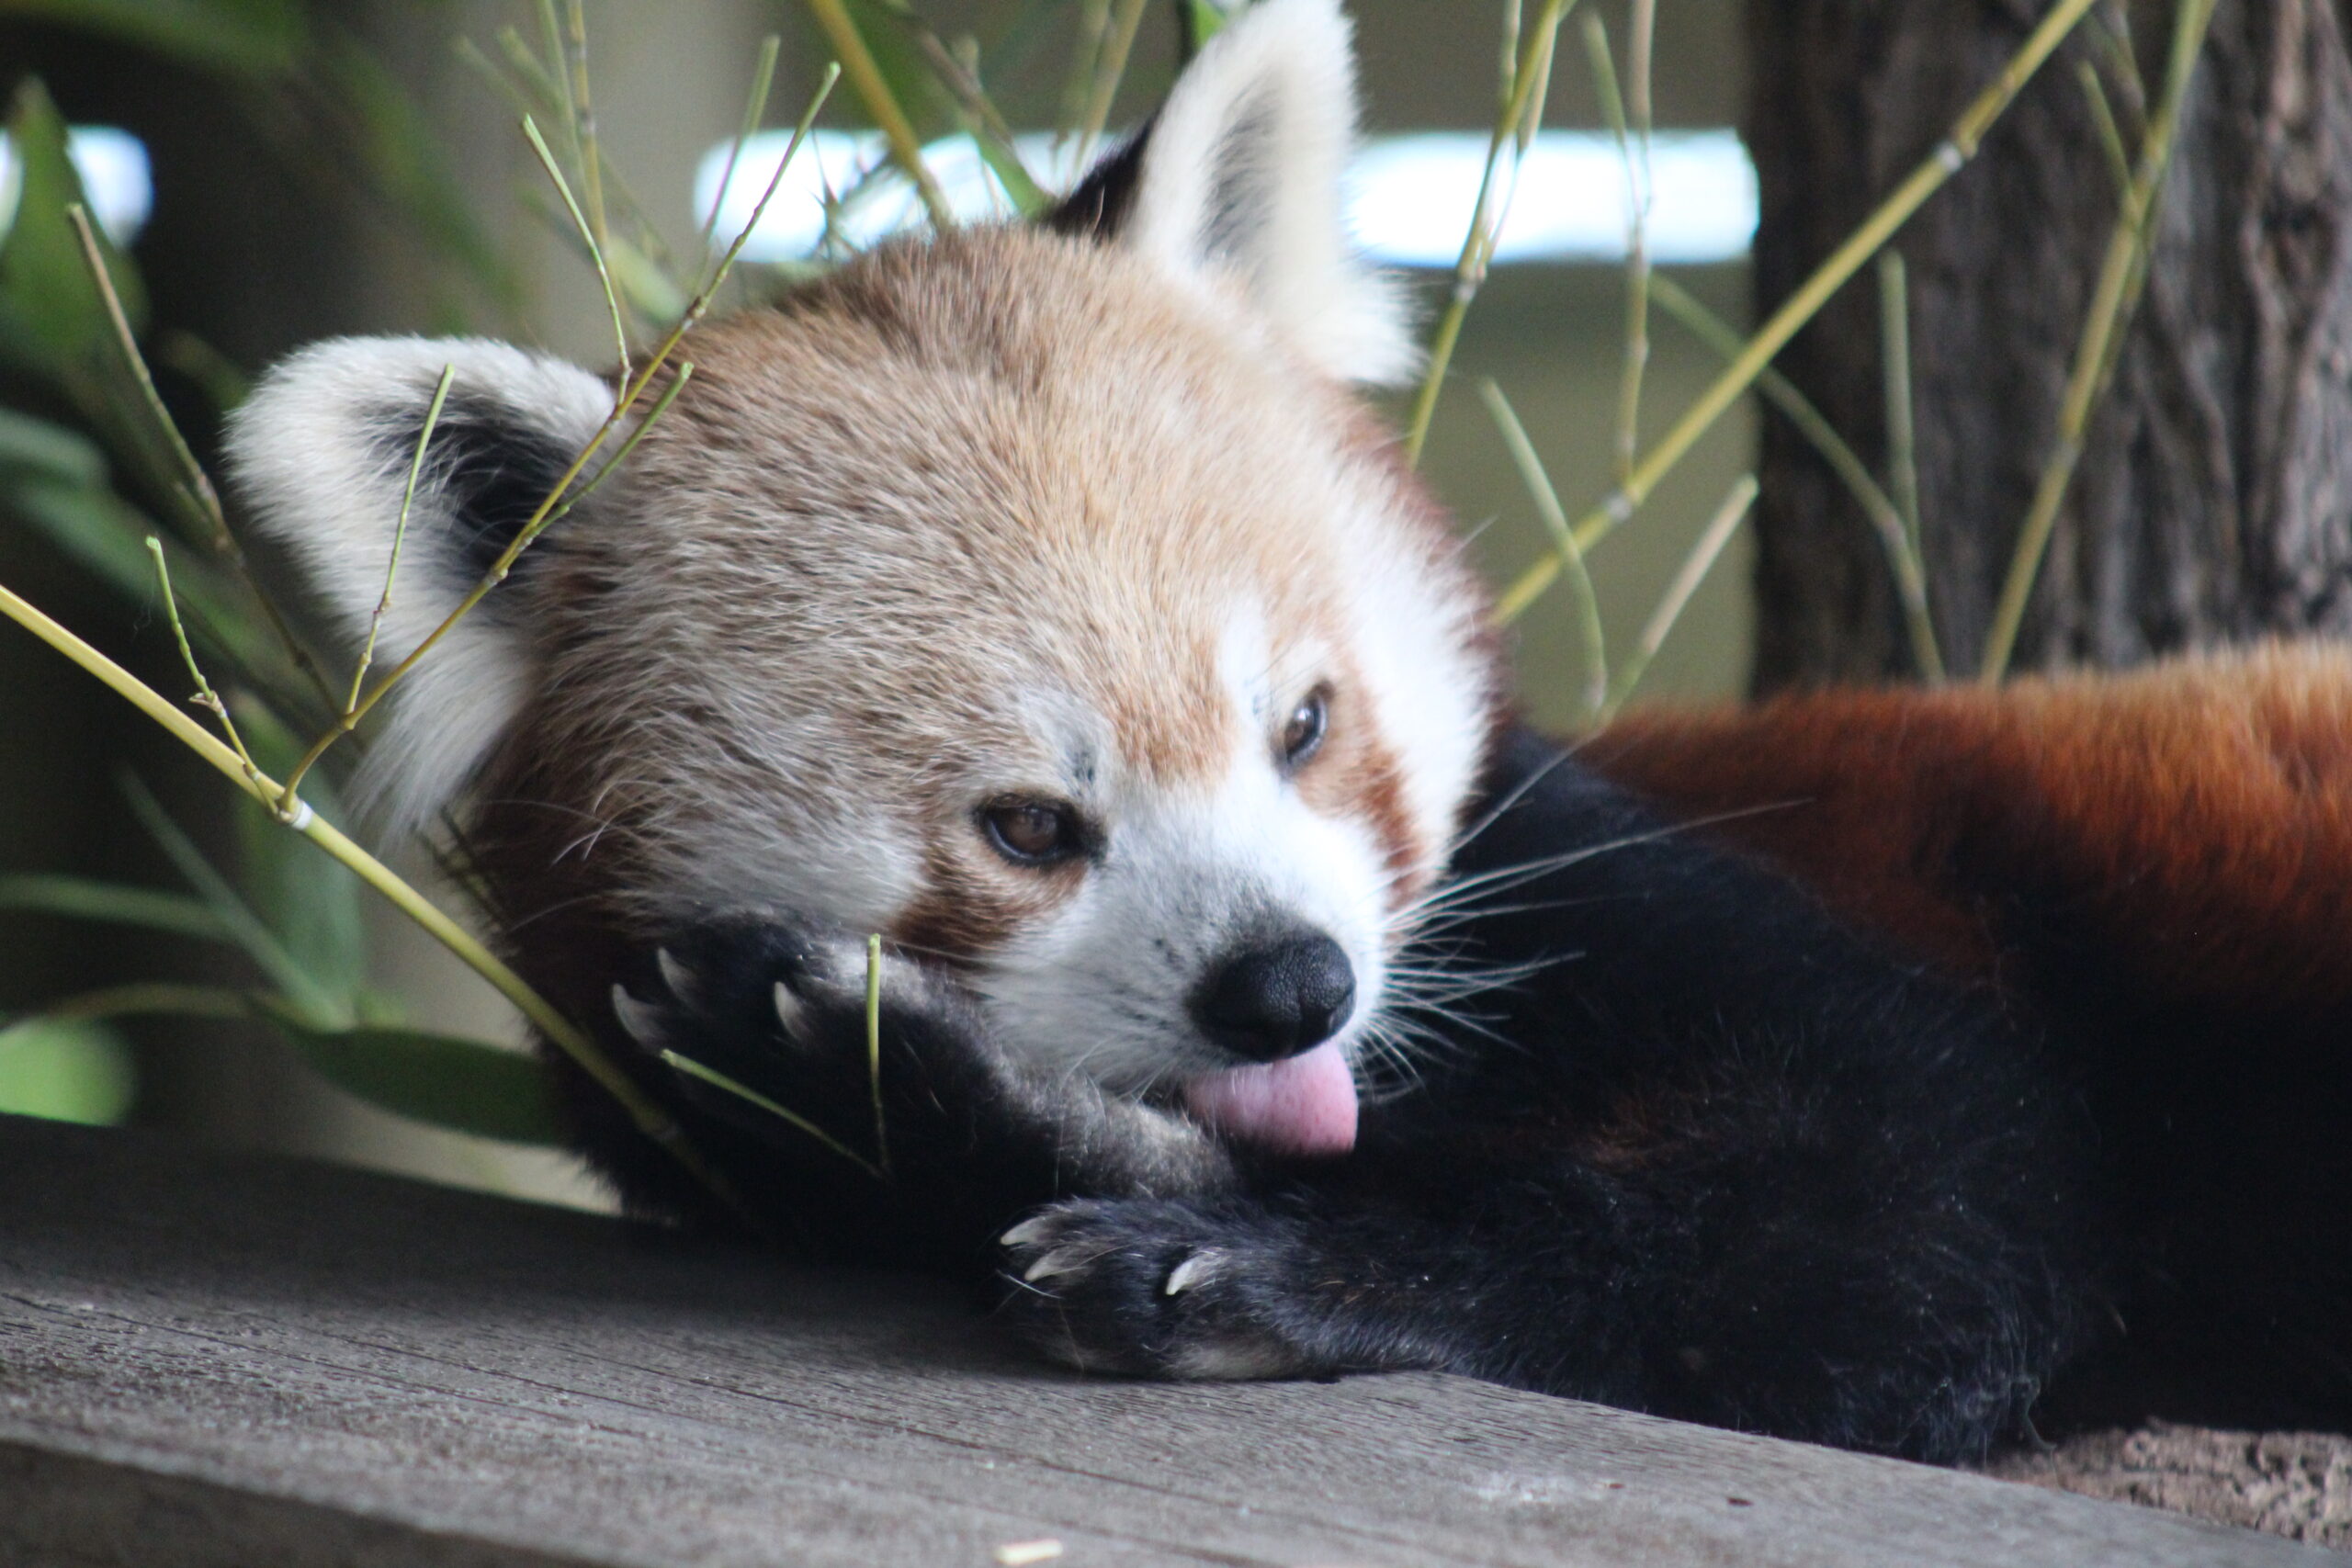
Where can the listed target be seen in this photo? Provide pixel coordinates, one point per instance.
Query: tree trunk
(2213, 503)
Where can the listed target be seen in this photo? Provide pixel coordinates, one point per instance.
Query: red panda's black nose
(1272, 1000)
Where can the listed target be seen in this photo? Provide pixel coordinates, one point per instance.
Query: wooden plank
(214, 1360)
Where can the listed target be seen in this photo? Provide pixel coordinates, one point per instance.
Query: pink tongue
(1303, 1105)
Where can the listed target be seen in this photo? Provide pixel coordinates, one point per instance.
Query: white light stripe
(115, 178)
(1409, 197)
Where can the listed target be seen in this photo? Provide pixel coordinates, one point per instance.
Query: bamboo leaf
(462, 1086)
(51, 318)
(106, 537)
(49, 451)
(256, 37)
(65, 1071)
(1203, 19)
(244, 928)
(310, 903)
(81, 898)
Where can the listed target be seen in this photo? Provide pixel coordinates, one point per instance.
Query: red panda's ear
(1238, 179)
(319, 454)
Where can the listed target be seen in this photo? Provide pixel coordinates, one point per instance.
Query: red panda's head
(1040, 598)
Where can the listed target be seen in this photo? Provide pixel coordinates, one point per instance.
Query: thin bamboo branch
(592, 163)
(206, 697)
(1894, 375)
(751, 1096)
(1086, 48)
(560, 499)
(195, 486)
(857, 61)
(1110, 67)
(873, 1050)
(648, 1117)
(1677, 598)
(588, 237)
(1885, 520)
(755, 107)
(2111, 133)
(399, 537)
(1632, 132)
(2114, 300)
(1947, 160)
(1521, 111)
(1593, 645)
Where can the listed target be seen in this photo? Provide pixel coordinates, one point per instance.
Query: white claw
(1193, 1271)
(643, 1022)
(1061, 1261)
(676, 975)
(1033, 1228)
(790, 1012)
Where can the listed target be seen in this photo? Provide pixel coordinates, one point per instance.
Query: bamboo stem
(206, 697)
(1677, 598)
(557, 502)
(755, 107)
(648, 1117)
(195, 486)
(1593, 639)
(1110, 66)
(873, 1050)
(399, 537)
(2114, 300)
(589, 237)
(1522, 109)
(857, 62)
(1933, 173)
(1902, 559)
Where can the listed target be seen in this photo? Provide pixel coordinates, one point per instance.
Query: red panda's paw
(1158, 1288)
(757, 1010)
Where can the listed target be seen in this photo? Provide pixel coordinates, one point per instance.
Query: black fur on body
(1705, 1153)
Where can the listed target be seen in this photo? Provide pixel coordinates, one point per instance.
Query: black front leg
(1702, 1153)
(1773, 1267)
(761, 1020)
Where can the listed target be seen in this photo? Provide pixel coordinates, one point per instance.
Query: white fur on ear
(1241, 176)
(320, 453)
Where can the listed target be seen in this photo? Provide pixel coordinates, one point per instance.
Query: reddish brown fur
(2197, 816)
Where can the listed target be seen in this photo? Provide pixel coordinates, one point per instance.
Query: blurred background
(288, 171)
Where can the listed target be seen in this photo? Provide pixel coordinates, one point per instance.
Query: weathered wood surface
(216, 1360)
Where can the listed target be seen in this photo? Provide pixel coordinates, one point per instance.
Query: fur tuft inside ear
(320, 453)
(1238, 178)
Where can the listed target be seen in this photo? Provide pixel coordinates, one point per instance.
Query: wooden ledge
(216, 1360)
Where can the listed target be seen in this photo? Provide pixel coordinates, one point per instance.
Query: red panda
(1258, 1000)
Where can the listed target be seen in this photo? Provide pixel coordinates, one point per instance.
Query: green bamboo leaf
(51, 318)
(66, 1071)
(302, 990)
(464, 1086)
(899, 57)
(256, 37)
(1203, 19)
(650, 292)
(1028, 198)
(81, 898)
(309, 902)
(106, 537)
(34, 446)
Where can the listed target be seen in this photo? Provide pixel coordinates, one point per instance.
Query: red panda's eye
(1032, 833)
(1302, 735)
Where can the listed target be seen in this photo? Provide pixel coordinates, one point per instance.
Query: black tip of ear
(491, 472)
(1098, 208)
